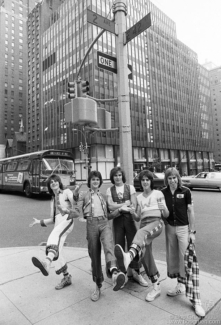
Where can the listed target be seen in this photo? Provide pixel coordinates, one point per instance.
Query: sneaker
(43, 266)
(154, 293)
(118, 280)
(178, 290)
(96, 294)
(199, 311)
(138, 278)
(66, 281)
(123, 259)
(126, 280)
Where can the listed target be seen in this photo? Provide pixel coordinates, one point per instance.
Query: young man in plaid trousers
(179, 230)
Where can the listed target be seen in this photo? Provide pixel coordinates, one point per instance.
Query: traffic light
(81, 147)
(84, 88)
(72, 89)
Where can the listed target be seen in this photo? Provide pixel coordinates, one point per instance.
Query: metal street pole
(120, 11)
(85, 150)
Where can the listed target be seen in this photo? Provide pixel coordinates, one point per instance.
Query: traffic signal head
(72, 89)
(84, 88)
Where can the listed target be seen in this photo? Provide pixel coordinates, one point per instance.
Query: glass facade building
(215, 87)
(170, 124)
(13, 54)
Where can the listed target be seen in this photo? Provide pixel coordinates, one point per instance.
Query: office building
(215, 86)
(165, 93)
(13, 68)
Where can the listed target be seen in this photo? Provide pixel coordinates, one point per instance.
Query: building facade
(13, 68)
(215, 86)
(168, 128)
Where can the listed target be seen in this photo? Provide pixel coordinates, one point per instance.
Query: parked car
(203, 180)
(158, 181)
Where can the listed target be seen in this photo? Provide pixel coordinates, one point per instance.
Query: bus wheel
(27, 189)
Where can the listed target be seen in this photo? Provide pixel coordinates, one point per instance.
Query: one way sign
(107, 62)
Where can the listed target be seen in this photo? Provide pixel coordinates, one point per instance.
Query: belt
(95, 218)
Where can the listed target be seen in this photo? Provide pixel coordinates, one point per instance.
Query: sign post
(124, 71)
(126, 160)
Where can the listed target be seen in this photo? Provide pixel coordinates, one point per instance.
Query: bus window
(11, 166)
(23, 164)
(1, 168)
(57, 165)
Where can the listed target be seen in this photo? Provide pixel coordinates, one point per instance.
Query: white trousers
(57, 238)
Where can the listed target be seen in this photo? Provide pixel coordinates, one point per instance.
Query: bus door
(35, 175)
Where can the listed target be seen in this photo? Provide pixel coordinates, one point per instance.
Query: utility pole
(120, 12)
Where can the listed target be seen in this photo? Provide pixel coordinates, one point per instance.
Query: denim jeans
(143, 241)
(124, 226)
(176, 245)
(99, 232)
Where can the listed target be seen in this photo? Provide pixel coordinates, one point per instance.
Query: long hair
(172, 171)
(149, 175)
(114, 171)
(94, 173)
(55, 178)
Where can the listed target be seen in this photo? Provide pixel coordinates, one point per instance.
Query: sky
(198, 25)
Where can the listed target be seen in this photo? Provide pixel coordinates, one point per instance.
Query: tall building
(13, 52)
(165, 94)
(215, 86)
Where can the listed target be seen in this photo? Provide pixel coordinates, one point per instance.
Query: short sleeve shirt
(177, 205)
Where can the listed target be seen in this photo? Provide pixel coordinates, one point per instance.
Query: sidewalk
(27, 297)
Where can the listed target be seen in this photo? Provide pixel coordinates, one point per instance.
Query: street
(17, 212)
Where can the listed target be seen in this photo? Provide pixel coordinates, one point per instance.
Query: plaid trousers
(192, 275)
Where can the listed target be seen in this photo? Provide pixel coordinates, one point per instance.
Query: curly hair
(114, 171)
(56, 178)
(149, 175)
(94, 173)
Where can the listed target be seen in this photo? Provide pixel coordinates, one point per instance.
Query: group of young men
(125, 246)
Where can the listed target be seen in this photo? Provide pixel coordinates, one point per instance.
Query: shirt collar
(93, 192)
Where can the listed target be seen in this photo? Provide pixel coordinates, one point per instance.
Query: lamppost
(84, 148)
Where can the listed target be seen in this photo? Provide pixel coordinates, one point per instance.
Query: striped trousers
(142, 242)
(57, 238)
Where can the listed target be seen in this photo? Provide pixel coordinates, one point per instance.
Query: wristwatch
(192, 232)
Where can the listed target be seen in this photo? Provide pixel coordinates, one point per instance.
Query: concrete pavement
(27, 297)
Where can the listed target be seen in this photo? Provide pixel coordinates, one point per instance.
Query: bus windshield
(57, 166)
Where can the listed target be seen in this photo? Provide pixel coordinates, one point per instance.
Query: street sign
(100, 21)
(138, 28)
(108, 62)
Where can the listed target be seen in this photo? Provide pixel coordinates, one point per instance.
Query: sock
(48, 260)
(133, 252)
(50, 256)
(113, 270)
(65, 273)
(137, 270)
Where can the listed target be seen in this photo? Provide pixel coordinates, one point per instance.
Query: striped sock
(133, 252)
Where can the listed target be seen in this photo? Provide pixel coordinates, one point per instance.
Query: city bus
(29, 173)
